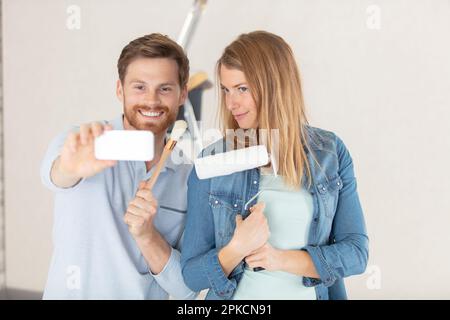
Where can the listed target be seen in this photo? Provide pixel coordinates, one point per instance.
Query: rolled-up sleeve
(347, 252)
(199, 261)
(171, 280)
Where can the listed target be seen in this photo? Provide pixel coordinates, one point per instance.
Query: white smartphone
(126, 145)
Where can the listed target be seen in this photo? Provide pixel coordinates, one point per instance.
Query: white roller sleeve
(230, 162)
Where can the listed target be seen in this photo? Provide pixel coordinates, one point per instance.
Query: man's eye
(243, 89)
(224, 89)
(139, 87)
(166, 89)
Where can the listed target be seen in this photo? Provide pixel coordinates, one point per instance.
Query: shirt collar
(117, 123)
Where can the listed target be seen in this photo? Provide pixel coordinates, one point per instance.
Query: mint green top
(289, 214)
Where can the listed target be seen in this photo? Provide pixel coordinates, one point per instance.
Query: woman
(305, 231)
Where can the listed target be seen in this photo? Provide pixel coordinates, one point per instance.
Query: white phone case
(127, 145)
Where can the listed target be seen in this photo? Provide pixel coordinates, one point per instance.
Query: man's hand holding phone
(77, 159)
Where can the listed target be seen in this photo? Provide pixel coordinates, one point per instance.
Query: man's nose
(152, 98)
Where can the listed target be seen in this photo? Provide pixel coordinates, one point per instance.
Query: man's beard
(157, 125)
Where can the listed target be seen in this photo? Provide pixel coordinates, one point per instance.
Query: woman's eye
(224, 89)
(242, 89)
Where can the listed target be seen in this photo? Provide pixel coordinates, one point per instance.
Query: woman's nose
(232, 101)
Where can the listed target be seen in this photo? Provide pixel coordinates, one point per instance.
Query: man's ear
(183, 95)
(119, 90)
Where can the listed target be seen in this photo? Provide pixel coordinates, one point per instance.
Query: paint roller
(226, 163)
(235, 161)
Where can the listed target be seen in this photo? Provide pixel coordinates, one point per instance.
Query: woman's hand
(266, 257)
(297, 262)
(251, 233)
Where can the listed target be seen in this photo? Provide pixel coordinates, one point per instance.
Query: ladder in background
(193, 147)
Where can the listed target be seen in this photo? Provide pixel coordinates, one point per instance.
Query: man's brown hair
(154, 45)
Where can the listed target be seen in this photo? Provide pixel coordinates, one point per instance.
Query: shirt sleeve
(347, 252)
(171, 279)
(200, 264)
(53, 152)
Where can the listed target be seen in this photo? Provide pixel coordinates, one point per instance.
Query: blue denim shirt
(337, 241)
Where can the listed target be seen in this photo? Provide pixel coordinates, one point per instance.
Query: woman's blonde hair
(272, 74)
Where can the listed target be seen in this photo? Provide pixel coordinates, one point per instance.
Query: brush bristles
(178, 130)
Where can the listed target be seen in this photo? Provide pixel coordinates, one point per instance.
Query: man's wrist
(148, 238)
(61, 178)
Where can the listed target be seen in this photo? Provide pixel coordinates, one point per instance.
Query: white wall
(384, 91)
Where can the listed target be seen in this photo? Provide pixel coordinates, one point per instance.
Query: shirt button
(216, 202)
(235, 205)
(338, 183)
(255, 182)
(323, 188)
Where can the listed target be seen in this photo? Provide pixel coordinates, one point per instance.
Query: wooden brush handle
(166, 153)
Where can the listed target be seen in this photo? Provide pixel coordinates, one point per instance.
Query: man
(113, 237)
